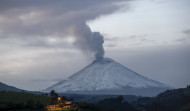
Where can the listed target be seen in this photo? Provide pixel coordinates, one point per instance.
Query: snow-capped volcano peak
(104, 74)
(104, 60)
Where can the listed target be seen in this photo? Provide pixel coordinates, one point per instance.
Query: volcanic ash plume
(89, 41)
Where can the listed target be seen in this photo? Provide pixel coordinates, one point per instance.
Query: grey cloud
(111, 39)
(141, 39)
(187, 31)
(160, 2)
(138, 36)
(61, 18)
(186, 38)
(49, 17)
(181, 40)
(111, 45)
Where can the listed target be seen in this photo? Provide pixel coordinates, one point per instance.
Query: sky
(44, 42)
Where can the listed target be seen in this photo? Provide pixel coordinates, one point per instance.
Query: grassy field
(7, 98)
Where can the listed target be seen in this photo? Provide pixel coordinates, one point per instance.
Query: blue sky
(41, 43)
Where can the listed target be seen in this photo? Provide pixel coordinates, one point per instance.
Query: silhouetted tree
(115, 104)
(52, 93)
(54, 96)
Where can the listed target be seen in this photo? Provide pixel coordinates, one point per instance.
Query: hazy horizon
(44, 42)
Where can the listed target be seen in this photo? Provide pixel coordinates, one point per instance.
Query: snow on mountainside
(106, 76)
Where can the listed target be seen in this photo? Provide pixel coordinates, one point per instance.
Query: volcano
(108, 77)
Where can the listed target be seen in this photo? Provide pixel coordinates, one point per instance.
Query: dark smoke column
(98, 40)
(89, 41)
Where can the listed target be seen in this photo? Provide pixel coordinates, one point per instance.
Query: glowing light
(58, 98)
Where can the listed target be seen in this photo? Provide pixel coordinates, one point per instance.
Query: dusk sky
(45, 41)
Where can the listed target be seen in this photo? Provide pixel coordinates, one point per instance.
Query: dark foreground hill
(22, 101)
(171, 100)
